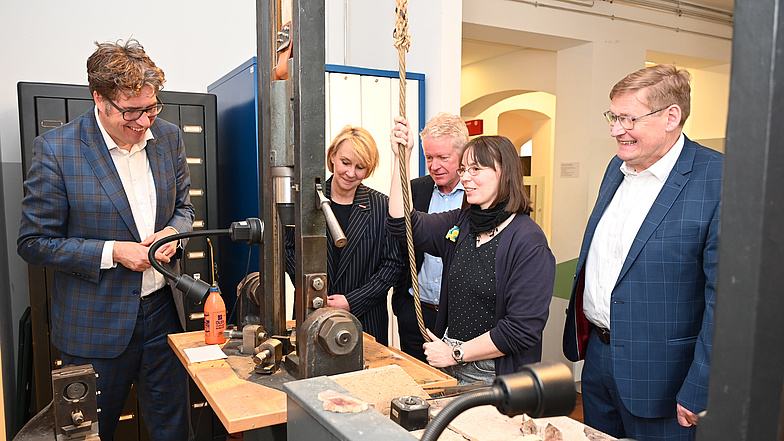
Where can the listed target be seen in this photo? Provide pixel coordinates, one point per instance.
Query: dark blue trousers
(411, 339)
(156, 373)
(604, 410)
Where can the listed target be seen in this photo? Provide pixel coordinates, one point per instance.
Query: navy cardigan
(525, 275)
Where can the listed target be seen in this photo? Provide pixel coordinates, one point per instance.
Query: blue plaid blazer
(74, 203)
(661, 316)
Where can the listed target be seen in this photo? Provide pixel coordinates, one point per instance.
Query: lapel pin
(452, 234)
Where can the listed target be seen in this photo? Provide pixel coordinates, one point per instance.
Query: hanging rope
(403, 43)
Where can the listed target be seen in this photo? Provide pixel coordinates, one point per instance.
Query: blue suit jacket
(661, 316)
(74, 203)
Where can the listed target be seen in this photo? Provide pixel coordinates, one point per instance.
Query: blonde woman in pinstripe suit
(361, 273)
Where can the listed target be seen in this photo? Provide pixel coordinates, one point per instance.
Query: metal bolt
(343, 337)
(317, 283)
(318, 302)
(262, 356)
(77, 417)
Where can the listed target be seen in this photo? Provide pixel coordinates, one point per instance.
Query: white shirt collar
(459, 186)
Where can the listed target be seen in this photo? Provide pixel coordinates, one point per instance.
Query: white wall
(195, 42)
(435, 31)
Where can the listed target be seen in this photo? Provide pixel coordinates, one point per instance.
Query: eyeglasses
(472, 170)
(134, 114)
(627, 122)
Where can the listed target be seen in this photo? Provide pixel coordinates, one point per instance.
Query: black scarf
(487, 220)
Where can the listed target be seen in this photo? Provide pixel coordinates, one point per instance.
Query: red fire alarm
(474, 127)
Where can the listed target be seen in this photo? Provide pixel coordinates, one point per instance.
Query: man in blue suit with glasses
(641, 310)
(100, 191)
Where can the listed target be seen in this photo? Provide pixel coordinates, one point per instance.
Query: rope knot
(400, 34)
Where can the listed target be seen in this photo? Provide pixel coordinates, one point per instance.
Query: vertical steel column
(270, 292)
(747, 367)
(309, 166)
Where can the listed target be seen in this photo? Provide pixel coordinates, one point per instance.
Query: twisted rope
(403, 43)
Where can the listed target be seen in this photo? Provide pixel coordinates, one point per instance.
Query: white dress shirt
(139, 185)
(617, 229)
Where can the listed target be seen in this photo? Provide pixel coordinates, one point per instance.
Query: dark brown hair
(498, 151)
(117, 67)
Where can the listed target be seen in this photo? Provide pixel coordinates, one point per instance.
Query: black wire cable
(458, 406)
(160, 242)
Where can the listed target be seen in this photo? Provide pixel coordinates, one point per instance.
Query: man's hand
(686, 417)
(167, 250)
(438, 353)
(133, 255)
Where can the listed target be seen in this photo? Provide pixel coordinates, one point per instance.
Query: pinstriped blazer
(74, 203)
(661, 316)
(370, 262)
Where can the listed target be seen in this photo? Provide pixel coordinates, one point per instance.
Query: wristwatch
(458, 354)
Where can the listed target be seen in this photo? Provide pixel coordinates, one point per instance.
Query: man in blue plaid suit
(100, 191)
(641, 311)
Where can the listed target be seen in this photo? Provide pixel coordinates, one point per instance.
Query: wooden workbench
(241, 400)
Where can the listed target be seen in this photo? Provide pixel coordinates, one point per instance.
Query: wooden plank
(379, 386)
(241, 405)
(378, 355)
(245, 405)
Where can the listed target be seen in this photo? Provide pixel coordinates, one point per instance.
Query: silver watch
(458, 354)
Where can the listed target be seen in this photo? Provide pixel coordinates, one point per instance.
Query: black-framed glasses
(627, 122)
(472, 170)
(134, 114)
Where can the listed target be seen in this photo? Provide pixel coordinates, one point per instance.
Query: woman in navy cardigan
(498, 269)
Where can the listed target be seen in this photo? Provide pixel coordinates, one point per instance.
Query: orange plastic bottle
(214, 318)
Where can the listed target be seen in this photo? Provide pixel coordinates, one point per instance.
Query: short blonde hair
(363, 145)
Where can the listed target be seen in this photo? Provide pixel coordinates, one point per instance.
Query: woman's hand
(438, 353)
(401, 135)
(338, 301)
